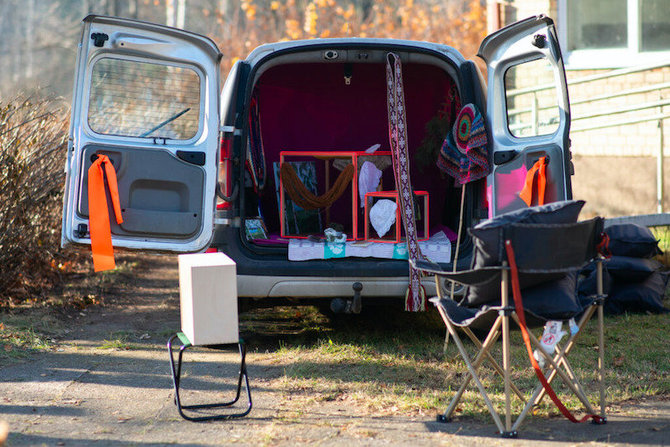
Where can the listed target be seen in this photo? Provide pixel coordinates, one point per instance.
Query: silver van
(198, 162)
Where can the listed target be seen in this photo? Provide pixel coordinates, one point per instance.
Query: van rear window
(140, 99)
(532, 99)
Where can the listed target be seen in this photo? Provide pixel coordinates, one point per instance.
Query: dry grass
(397, 366)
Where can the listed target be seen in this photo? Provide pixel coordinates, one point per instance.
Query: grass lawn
(392, 362)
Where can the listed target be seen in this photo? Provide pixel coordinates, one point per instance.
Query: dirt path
(107, 383)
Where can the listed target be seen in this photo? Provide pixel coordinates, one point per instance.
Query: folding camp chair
(531, 256)
(175, 368)
(208, 306)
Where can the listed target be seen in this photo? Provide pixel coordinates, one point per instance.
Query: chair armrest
(425, 265)
(466, 277)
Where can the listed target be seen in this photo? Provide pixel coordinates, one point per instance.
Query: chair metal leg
(492, 361)
(473, 374)
(559, 359)
(438, 288)
(506, 353)
(570, 372)
(539, 392)
(176, 380)
(488, 343)
(559, 371)
(601, 340)
(601, 364)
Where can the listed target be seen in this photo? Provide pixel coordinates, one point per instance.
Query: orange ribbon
(526, 194)
(101, 233)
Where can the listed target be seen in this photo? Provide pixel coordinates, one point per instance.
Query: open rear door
(528, 114)
(146, 96)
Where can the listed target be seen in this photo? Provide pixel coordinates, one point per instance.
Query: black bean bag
(626, 268)
(587, 284)
(632, 240)
(638, 297)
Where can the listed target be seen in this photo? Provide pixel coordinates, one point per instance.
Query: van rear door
(528, 115)
(146, 96)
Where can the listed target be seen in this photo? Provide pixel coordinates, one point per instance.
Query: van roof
(264, 50)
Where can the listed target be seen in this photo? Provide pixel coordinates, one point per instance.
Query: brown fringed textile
(302, 196)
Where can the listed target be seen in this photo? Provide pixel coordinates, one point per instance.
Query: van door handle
(502, 157)
(196, 158)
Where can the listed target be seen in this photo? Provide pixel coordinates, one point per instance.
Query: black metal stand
(176, 373)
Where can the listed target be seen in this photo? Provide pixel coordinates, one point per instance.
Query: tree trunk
(15, 44)
(30, 37)
(181, 14)
(132, 9)
(85, 8)
(170, 18)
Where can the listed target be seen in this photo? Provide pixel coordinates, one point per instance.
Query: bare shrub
(33, 141)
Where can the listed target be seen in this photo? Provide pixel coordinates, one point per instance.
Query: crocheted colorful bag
(464, 154)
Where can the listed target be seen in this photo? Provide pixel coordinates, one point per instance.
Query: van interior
(303, 107)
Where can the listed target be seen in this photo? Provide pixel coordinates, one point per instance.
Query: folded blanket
(464, 153)
(437, 249)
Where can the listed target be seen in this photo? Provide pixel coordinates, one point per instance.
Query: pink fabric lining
(310, 107)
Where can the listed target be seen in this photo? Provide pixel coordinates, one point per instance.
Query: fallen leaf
(618, 361)
(71, 402)
(4, 432)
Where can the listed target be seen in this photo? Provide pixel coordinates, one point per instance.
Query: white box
(208, 298)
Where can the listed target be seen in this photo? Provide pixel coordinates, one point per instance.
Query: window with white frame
(614, 33)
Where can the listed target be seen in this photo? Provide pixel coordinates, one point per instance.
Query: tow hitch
(352, 306)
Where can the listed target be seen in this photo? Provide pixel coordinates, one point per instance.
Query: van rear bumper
(272, 275)
(314, 287)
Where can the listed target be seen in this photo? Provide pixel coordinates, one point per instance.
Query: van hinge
(99, 39)
(81, 231)
(230, 129)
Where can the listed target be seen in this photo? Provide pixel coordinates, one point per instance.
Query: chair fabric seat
(556, 300)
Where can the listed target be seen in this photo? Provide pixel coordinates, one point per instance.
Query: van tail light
(487, 192)
(225, 171)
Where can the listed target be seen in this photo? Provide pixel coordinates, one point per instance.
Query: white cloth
(382, 216)
(437, 249)
(372, 149)
(368, 180)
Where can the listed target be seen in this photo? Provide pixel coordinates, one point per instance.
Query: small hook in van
(348, 73)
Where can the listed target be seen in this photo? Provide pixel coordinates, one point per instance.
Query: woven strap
(98, 220)
(415, 298)
(518, 304)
